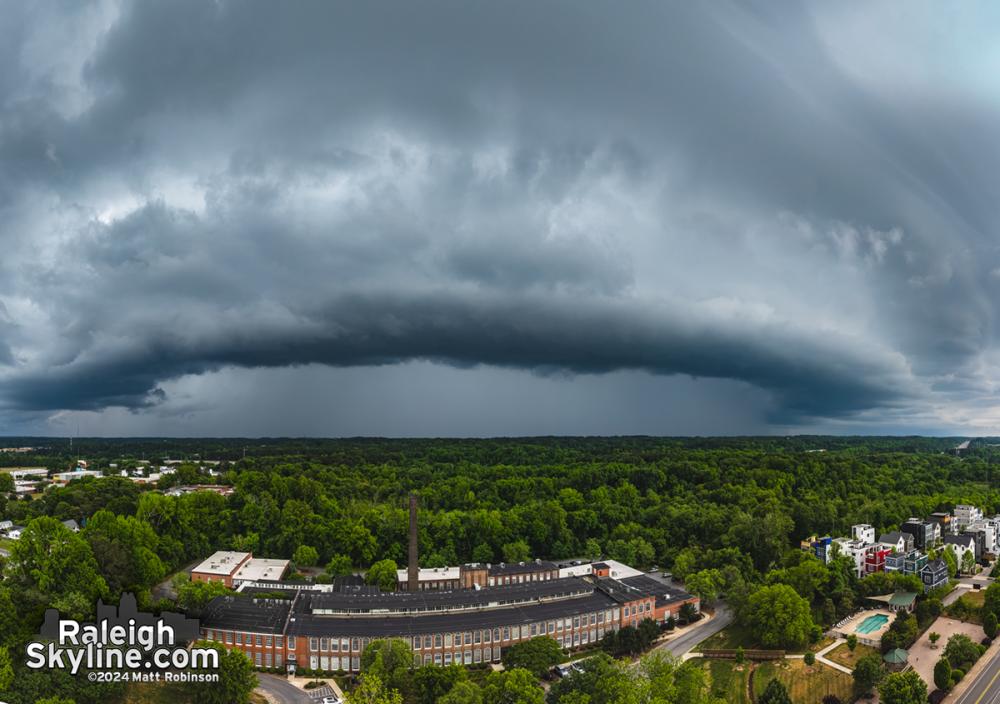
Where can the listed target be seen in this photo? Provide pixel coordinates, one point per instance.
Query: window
(427, 659)
(447, 640)
(496, 634)
(267, 642)
(437, 640)
(437, 658)
(324, 644)
(534, 629)
(344, 646)
(313, 646)
(468, 657)
(477, 637)
(239, 639)
(427, 641)
(417, 642)
(355, 663)
(229, 636)
(278, 641)
(447, 658)
(477, 655)
(355, 643)
(291, 642)
(468, 638)
(258, 640)
(267, 660)
(576, 622)
(552, 627)
(335, 644)
(277, 659)
(506, 633)
(258, 659)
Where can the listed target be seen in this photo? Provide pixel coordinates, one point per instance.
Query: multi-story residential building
(894, 562)
(329, 630)
(906, 562)
(897, 541)
(988, 528)
(863, 532)
(934, 574)
(820, 547)
(942, 519)
(979, 540)
(914, 562)
(960, 545)
(922, 532)
(966, 514)
(856, 550)
(875, 558)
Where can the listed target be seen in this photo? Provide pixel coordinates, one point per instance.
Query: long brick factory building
(326, 627)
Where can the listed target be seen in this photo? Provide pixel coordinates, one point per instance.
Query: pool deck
(875, 637)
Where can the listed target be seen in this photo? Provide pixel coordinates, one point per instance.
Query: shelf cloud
(801, 202)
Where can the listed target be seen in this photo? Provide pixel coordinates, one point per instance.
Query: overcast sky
(506, 218)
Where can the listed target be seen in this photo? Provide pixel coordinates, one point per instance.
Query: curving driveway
(278, 691)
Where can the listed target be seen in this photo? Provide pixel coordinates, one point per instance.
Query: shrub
(809, 659)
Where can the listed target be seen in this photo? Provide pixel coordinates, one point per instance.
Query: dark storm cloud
(556, 187)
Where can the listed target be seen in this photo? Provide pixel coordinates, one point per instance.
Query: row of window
(552, 628)
(522, 578)
(248, 639)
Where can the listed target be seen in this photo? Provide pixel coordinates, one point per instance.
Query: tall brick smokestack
(413, 568)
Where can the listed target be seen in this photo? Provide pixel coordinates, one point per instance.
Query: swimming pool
(872, 623)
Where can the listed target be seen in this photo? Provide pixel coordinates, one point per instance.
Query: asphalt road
(682, 644)
(986, 688)
(281, 691)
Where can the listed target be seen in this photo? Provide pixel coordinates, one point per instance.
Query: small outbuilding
(896, 659)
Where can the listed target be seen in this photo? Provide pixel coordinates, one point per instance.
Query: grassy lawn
(968, 607)
(733, 636)
(726, 681)
(730, 637)
(842, 655)
(152, 693)
(806, 685)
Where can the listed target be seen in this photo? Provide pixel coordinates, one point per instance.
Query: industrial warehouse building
(328, 630)
(464, 615)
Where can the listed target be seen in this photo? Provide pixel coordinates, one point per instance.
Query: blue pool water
(872, 623)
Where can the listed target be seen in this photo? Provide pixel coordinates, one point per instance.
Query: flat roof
(430, 574)
(303, 623)
(222, 562)
(260, 568)
(521, 567)
(446, 600)
(246, 614)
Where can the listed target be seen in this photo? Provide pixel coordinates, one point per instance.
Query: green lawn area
(806, 685)
(730, 637)
(168, 694)
(727, 681)
(734, 636)
(842, 654)
(968, 607)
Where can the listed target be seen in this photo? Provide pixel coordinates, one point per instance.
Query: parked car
(332, 700)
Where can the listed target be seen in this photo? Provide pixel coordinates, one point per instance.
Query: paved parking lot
(923, 657)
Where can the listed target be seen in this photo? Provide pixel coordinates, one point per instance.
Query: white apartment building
(863, 532)
(989, 527)
(856, 550)
(965, 514)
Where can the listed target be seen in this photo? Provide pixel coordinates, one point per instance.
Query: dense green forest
(725, 514)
